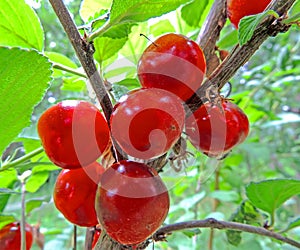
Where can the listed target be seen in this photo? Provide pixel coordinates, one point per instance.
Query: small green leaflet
(20, 26)
(141, 10)
(248, 25)
(293, 224)
(89, 8)
(270, 194)
(25, 76)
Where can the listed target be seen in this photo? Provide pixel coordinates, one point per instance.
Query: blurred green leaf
(161, 27)
(20, 26)
(141, 10)
(192, 12)
(270, 194)
(36, 180)
(293, 224)
(7, 191)
(191, 232)
(6, 219)
(74, 83)
(89, 8)
(227, 196)
(33, 203)
(228, 40)
(28, 74)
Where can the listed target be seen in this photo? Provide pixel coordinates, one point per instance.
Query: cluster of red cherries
(129, 199)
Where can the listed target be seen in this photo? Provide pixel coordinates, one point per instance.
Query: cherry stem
(75, 238)
(68, 69)
(216, 224)
(22, 159)
(149, 40)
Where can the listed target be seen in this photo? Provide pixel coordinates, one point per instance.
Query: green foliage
(192, 12)
(90, 7)
(27, 73)
(248, 24)
(20, 26)
(141, 10)
(270, 194)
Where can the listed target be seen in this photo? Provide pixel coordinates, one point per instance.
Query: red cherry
(75, 192)
(73, 133)
(237, 9)
(174, 63)
(147, 123)
(10, 236)
(214, 131)
(132, 202)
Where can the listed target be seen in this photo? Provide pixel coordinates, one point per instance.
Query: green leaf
(32, 204)
(293, 224)
(73, 83)
(61, 59)
(248, 24)
(141, 10)
(191, 232)
(7, 180)
(6, 219)
(295, 8)
(192, 12)
(89, 8)
(271, 194)
(227, 196)
(36, 180)
(228, 40)
(106, 47)
(25, 76)
(20, 26)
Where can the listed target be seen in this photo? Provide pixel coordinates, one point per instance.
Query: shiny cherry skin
(173, 62)
(132, 202)
(237, 9)
(147, 122)
(214, 131)
(73, 133)
(10, 236)
(75, 192)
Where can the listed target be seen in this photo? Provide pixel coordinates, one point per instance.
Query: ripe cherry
(132, 202)
(147, 122)
(73, 133)
(75, 192)
(10, 236)
(174, 63)
(215, 131)
(237, 9)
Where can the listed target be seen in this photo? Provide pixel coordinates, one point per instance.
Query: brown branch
(213, 223)
(84, 51)
(210, 32)
(240, 55)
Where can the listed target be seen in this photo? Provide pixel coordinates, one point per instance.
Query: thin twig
(213, 223)
(75, 238)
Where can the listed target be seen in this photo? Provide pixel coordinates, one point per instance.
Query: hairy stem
(22, 159)
(216, 224)
(68, 69)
